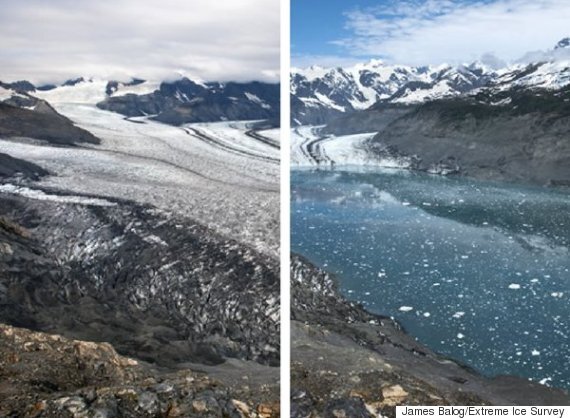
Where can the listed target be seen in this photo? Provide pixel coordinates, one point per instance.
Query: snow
(93, 91)
(549, 75)
(437, 91)
(84, 92)
(328, 102)
(252, 97)
(5, 93)
(383, 81)
(41, 195)
(143, 88)
(273, 134)
(311, 73)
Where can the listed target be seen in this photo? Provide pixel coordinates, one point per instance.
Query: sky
(53, 41)
(421, 32)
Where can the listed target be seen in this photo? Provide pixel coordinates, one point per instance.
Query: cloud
(435, 31)
(52, 41)
(307, 60)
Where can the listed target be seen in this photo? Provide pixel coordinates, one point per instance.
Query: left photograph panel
(139, 208)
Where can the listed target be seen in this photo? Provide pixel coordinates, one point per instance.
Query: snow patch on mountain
(252, 97)
(83, 92)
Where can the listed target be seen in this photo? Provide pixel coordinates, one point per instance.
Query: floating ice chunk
(381, 274)
(460, 336)
(535, 353)
(406, 308)
(557, 294)
(514, 286)
(545, 381)
(458, 314)
(427, 314)
(465, 257)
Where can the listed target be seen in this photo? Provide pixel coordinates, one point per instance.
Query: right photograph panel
(430, 205)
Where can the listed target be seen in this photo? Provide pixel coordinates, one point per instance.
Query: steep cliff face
(348, 361)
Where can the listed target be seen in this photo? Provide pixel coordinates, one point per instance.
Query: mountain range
(172, 102)
(508, 124)
(320, 94)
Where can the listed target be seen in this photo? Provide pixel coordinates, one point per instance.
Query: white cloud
(327, 61)
(435, 31)
(212, 40)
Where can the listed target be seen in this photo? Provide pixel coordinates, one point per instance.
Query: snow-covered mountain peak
(563, 43)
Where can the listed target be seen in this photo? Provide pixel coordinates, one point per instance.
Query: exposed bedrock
(42, 123)
(15, 167)
(184, 101)
(484, 141)
(44, 375)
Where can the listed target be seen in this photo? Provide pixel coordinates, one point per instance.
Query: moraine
(479, 272)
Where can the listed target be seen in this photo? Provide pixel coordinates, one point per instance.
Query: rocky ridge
(46, 375)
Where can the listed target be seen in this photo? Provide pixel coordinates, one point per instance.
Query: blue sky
(340, 32)
(314, 23)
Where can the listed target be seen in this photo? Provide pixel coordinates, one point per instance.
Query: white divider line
(285, 211)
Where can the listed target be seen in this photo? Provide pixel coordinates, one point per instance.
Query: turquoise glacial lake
(477, 271)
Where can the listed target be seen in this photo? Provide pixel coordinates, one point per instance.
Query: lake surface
(476, 271)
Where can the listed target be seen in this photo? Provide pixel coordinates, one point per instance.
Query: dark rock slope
(519, 135)
(15, 167)
(41, 122)
(185, 101)
(49, 376)
(348, 362)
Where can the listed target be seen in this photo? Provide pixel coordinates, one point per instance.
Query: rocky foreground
(347, 362)
(43, 375)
